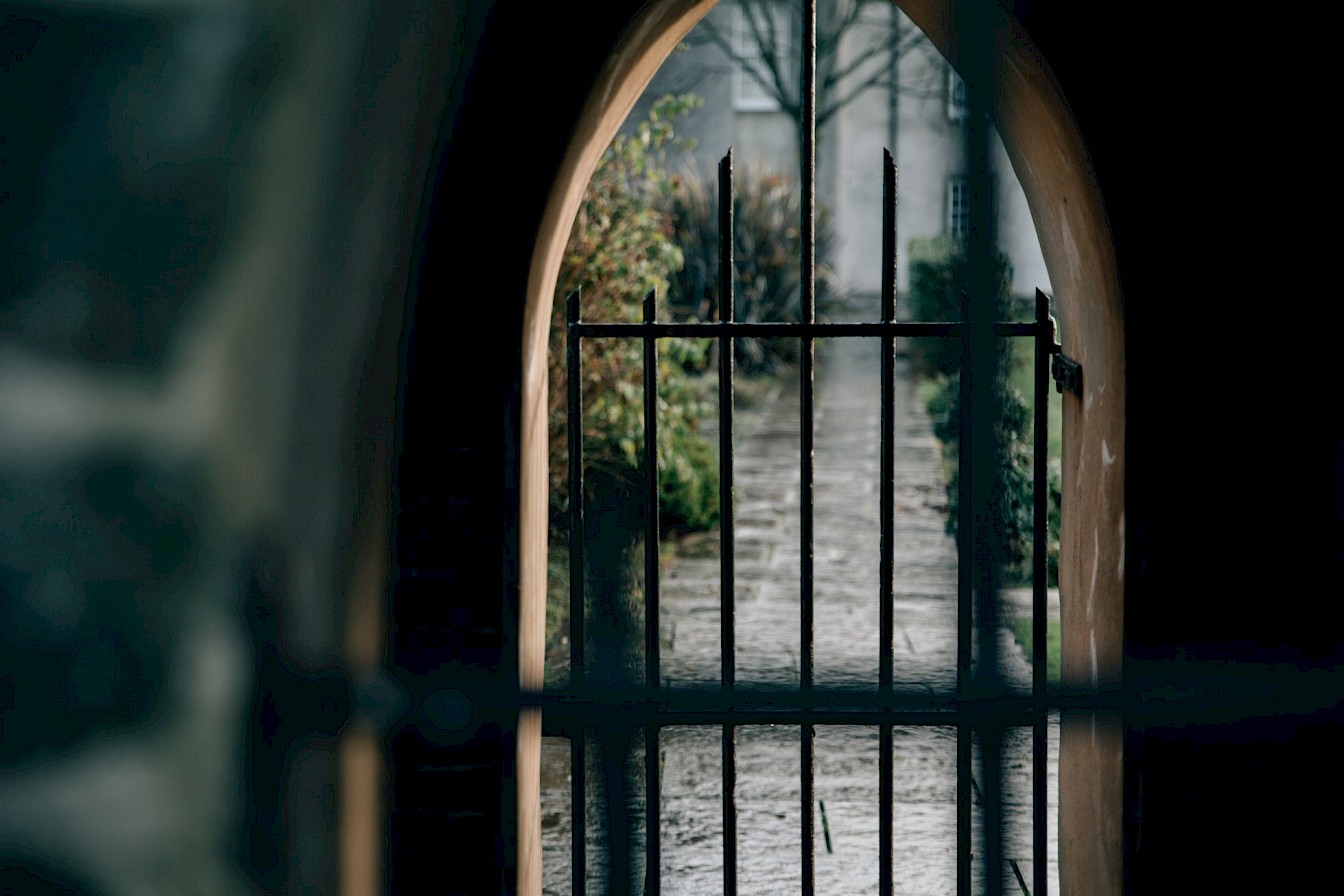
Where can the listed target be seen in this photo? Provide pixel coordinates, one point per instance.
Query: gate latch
(1068, 373)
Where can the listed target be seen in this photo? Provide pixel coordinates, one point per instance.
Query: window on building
(958, 207)
(759, 33)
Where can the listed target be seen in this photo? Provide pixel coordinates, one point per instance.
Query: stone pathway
(847, 424)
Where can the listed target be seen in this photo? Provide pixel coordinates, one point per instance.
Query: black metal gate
(979, 707)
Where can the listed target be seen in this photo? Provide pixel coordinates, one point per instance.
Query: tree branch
(835, 106)
(771, 64)
(838, 75)
(765, 31)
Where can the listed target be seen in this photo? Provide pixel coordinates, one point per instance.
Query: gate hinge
(1068, 373)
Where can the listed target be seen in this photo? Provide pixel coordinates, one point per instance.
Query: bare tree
(764, 40)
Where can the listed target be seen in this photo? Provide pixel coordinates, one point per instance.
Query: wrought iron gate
(980, 706)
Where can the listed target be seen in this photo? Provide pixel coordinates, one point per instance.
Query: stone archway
(1051, 161)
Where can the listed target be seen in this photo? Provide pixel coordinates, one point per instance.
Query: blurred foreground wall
(206, 210)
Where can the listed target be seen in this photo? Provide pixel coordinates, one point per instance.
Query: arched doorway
(1049, 158)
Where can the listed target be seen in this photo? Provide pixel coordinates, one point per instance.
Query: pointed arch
(1051, 161)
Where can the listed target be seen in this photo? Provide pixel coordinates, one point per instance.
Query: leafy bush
(937, 270)
(621, 248)
(1025, 636)
(936, 273)
(767, 246)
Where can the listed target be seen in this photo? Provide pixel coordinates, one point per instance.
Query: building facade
(913, 104)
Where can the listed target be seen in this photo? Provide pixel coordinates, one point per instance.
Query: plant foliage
(767, 246)
(937, 270)
(622, 247)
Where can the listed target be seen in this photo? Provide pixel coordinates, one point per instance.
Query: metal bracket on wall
(1068, 373)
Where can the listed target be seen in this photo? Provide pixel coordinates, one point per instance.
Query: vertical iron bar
(885, 872)
(652, 797)
(809, 734)
(574, 375)
(651, 678)
(727, 546)
(964, 735)
(976, 41)
(965, 615)
(886, 658)
(808, 353)
(578, 830)
(809, 161)
(991, 772)
(886, 625)
(808, 361)
(730, 810)
(651, 616)
(982, 412)
(1045, 339)
(964, 606)
(577, 603)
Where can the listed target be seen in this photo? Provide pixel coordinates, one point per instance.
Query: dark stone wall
(1234, 453)
(206, 212)
(454, 605)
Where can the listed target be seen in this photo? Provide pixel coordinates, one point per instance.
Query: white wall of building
(925, 141)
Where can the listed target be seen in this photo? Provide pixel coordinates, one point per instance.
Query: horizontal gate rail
(782, 329)
(711, 706)
(1148, 700)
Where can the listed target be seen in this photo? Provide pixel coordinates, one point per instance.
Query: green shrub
(767, 246)
(621, 248)
(1023, 634)
(937, 270)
